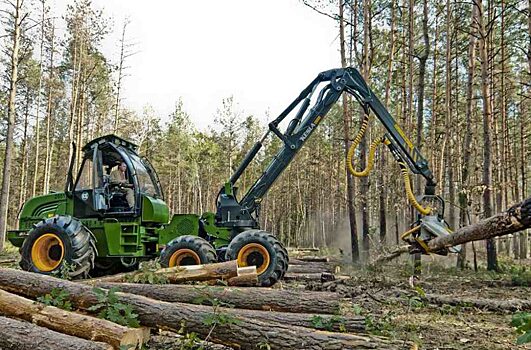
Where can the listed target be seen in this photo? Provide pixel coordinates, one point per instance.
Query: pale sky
(261, 52)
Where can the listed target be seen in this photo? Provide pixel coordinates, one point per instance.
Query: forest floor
(394, 309)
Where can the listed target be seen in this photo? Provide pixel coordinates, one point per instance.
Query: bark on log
(323, 259)
(511, 305)
(21, 335)
(242, 298)
(309, 268)
(245, 332)
(71, 323)
(515, 219)
(307, 277)
(179, 274)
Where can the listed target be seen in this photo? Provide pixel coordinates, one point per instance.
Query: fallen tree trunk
(307, 277)
(70, 323)
(244, 331)
(178, 274)
(309, 268)
(243, 298)
(511, 305)
(515, 219)
(21, 335)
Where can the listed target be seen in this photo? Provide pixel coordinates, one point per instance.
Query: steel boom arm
(305, 122)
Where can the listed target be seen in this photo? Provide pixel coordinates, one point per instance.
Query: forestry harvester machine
(92, 228)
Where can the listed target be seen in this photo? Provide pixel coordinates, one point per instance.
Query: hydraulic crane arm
(299, 129)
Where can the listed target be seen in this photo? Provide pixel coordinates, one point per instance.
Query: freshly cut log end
(21, 335)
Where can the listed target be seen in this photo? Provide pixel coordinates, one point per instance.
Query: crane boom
(329, 86)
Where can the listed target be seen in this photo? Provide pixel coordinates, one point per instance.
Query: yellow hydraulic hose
(370, 164)
(352, 149)
(409, 191)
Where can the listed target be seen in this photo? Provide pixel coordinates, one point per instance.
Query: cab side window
(85, 181)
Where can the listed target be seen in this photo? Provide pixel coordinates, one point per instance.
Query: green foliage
(65, 271)
(146, 274)
(328, 324)
(381, 324)
(522, 323)
(189, 341)
(110, 308)
(58, 298)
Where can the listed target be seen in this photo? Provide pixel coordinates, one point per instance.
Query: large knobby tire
(263, 250)
(60, 245)
(188, 250)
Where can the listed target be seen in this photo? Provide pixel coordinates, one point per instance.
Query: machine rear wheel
(59, 245)
(188, 250)
(263, 250)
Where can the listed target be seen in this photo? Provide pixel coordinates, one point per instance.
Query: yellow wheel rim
(183, 257)
(47, 252)
(254, 254)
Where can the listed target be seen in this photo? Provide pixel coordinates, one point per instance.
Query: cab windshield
(146, 179)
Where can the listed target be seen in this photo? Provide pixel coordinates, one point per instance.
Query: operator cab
(101, 189)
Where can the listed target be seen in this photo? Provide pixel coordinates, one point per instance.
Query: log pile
(233, 316)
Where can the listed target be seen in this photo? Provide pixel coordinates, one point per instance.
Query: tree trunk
(71, 323)
(243, 298)
(516, 218)
(179, 274)
(244, 331)
(492, 263)
(467, 143)
(20, 335)
(346, 130)
(11, 119)
(364, 182)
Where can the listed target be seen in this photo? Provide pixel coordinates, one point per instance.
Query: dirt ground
(393, 308)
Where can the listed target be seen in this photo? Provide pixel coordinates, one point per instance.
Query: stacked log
(242, 298)
(70, 323)
(21, 335)
(243, 327)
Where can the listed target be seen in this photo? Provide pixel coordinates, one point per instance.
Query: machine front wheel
(263, 250)
(188, 250)
(59, 245)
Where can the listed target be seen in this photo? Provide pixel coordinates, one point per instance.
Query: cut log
(511, 305)
(242, 298)
(178, 274)
(295, 249)
(324, 259)
(70, 323)
(307, 277)
(309, 268)
(247, 276)
(244, 331)
(21, 335)
(516, 218)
